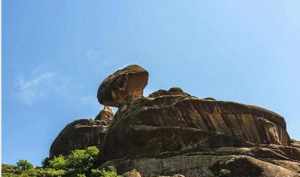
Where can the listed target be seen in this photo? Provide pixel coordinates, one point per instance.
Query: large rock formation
(82, 133)
(166, 123)
(259, 161)
(123, 86)
(105, 115)
(77, 135)
(171, 132)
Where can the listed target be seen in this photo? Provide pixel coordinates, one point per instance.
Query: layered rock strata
(83, 133)
(179, 123)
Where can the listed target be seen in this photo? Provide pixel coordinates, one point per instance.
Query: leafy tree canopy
(79, 163)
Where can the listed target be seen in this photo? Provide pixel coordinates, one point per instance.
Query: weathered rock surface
(168, 123)
(105, 115)
(77, 135)
(122, 86)
(132, 173)
(171, 92)
(260, 161)
(171, 133)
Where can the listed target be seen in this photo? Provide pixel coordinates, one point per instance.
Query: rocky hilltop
(171, 132)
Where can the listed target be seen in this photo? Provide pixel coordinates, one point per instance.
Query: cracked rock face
(169, 123)
(123, 86)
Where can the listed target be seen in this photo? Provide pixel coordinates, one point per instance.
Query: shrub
(108, 172)
(79, 163)
(24, 165)
(58, 163)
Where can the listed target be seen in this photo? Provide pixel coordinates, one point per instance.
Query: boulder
(168, 123)
(78, 135)
(105, 115)
(124, 85)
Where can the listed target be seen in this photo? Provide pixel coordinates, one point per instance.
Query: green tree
(24, 165)
(82, 160)
(79, 163)
(58, 163)
(109, 172)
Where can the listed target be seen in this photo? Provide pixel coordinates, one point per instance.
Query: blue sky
(55, 54)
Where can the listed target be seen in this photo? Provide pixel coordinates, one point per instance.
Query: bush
(108, 172)
(57, 163)
(79, 163)
(24, 165)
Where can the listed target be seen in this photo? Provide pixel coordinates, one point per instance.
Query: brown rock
(78, 135)
(132, 173)
(176, 175)
(171, 92)
(218, 162)
(245, 166)
(169, 124)
(295, 143)
(105, 115)
(124, 85)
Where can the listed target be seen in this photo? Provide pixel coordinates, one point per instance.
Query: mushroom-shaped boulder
(122, 86)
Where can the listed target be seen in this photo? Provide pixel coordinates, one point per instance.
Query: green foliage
(24, 165)
(57, 163)
(109, 172)
(45, 162)
(80, 158)
(50, 172)
(79, 163)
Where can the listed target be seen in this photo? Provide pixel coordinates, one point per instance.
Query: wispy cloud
(29, 90)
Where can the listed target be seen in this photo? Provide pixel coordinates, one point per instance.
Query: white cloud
(30, 90)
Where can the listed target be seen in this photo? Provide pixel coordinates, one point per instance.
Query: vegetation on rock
(79, 163)
(169, 132)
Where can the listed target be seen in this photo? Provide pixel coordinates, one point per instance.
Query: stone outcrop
(83, 133)
(124, 85)
(105, 115)
(172, 133)
(167, 123)
(258, 161)
(171, 92)
(78, 135)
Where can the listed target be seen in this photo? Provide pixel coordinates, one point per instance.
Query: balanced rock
(124, 85)
(78, 135)
(168, 123)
